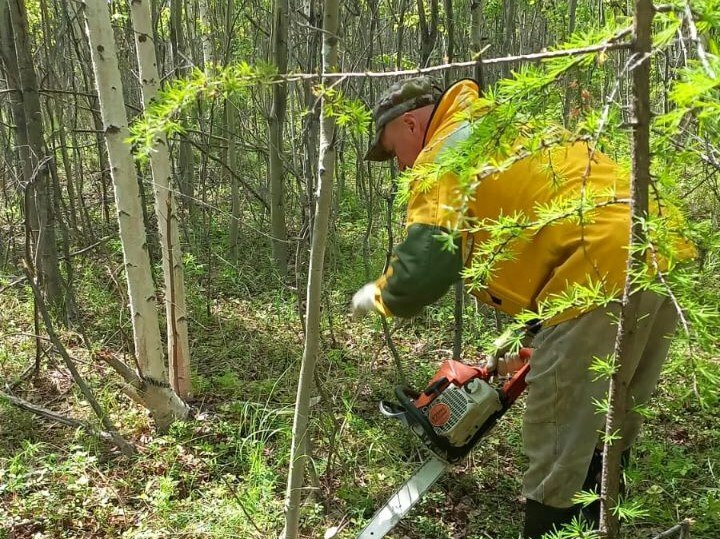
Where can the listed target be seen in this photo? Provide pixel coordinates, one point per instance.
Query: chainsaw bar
(414, 488)
(404, 499)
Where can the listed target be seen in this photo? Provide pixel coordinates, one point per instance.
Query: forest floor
(223, 473)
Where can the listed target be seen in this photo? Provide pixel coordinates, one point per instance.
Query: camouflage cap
(401, 97)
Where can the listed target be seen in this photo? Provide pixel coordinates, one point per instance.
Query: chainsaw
(457, 408)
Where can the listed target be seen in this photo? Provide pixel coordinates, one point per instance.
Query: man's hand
(363, 301)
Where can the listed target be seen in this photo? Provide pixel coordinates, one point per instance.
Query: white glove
(363, 301)
(505, 364)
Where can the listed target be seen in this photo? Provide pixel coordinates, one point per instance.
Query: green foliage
(247, 335)
(351, 114)
(163, 116)
(577, 529)
(603, 367)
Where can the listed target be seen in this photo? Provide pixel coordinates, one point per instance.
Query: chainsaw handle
(514, 387)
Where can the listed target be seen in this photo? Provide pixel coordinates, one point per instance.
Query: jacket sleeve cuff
(380, 306)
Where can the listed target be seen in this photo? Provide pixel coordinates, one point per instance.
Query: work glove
(506, 358)
(505, 364)
(363, 301)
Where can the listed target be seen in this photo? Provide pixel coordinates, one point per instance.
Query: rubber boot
(591, 513)
(541, 519)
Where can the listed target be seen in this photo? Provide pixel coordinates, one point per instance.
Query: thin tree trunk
(234, 228)
(165, 209)
(450, 38)
(178, 45)
(459, 286)
(206, 32)
(428, 30)
(567, 100)
(9, 58)
(298, 457)
(162, 402)
(640, 181)
(276, 123)
(310, 136)
(231, 118)
(116, 438)
(476, 9)
(400, 34)
(572, 7)
(38, 183)
(508, 32)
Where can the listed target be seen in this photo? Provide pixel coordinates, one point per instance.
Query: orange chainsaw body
(457, 407)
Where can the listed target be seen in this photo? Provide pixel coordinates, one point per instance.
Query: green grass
(222, 474)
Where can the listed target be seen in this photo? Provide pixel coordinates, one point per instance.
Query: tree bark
(450, 38)
(276, 123)
(37, 183)
(9, 59)
(428, 30)
(640, 182)
(572, 6)
(509, 32)
(163, 403)
(181, 61)
(206, 33)
(476, 8)
(298, 457)
(165, 209)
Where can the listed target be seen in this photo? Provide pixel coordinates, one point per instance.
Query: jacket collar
(455, 99)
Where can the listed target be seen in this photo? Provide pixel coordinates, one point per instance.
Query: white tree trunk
(152, 388)
(175, 311)
(205, 35)
(298, 457)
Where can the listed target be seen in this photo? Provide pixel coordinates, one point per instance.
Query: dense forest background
(187, 158)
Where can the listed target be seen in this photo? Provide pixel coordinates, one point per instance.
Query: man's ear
(411, 121)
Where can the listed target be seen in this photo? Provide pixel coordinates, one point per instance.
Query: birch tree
(326, 168)
(165, 209)
(206, 35)
(150, 386)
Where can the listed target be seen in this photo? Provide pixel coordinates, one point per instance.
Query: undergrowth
(223, 472)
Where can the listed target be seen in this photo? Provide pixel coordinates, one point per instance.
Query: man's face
(403, 137)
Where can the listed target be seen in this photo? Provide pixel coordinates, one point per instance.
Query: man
(417, 126)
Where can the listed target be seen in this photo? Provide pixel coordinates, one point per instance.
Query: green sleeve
(421, 271)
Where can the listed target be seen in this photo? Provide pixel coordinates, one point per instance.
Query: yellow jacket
(544, 262)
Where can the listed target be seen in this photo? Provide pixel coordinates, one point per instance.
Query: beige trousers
(561, 424)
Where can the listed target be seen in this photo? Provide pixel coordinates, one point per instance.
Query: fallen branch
(89, 247)
(681, 531)
(54, 416)
(124, 446)
(12, 283)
